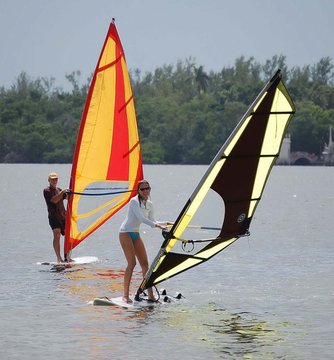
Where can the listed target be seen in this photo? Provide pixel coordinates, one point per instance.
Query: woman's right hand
(161, 227)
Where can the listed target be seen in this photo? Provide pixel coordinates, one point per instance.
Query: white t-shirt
(139, 213)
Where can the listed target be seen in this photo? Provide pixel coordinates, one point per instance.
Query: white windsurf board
(76, 261)
(118, 301)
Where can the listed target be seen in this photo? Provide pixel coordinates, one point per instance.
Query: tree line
(184, 113)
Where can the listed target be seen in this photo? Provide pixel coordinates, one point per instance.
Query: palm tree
(201, 79)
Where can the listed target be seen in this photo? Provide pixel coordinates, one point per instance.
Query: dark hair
(141, 182)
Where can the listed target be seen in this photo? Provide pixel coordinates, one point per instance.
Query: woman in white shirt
(140, 211)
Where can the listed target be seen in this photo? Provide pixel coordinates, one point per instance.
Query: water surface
(268, 296)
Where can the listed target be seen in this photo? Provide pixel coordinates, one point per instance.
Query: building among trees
(328, 153)
(286, 157)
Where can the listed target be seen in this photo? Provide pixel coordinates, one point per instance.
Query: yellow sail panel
(109, 53)
(252, 207)
(188, 263)
(237, 176)
(107, 161)
(264, 166)
(98, 133)
(258, 103)
(209, 252)
(195, 204)
(278, 120)
(230, 145)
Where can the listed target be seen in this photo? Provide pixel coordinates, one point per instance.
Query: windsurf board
(118, 301)
(144, 302)
(76, 261)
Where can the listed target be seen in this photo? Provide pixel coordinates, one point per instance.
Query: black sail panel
(235, 181)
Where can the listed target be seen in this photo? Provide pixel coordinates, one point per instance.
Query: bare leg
(142, 258)
(56, 244)
(129, 252)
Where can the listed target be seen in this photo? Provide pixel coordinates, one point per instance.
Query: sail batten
(107, 153)
(125, 105)
(237, 176)
(250, 156)
(107, 66)
(273, 113)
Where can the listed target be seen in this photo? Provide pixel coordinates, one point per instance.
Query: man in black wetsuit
(54, 197)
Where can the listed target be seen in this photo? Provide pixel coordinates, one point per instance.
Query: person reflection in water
(140, 210)
(54, 197)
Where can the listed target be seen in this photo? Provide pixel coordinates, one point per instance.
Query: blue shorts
(134, 235)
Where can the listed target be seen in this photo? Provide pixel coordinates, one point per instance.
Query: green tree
(184, 114)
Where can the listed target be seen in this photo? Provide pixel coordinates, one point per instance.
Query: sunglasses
(145, 188)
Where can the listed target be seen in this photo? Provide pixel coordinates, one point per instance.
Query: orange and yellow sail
(107, 161)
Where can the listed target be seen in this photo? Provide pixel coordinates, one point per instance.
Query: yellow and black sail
(238, 175)
(107, 163)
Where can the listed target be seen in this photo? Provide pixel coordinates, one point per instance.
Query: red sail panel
(119, 164)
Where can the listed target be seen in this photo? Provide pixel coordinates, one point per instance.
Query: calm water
(268, 296)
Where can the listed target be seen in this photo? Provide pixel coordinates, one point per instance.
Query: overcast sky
(50, 38)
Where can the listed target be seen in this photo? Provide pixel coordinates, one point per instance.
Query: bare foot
(127, 300)
(67, 258)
